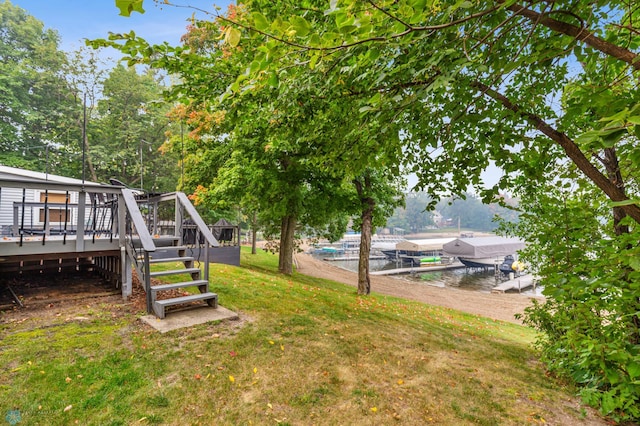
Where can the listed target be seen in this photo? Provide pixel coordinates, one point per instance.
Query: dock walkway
(518, 283)
(418, 269)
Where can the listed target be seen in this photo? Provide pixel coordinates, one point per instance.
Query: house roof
(22, 175)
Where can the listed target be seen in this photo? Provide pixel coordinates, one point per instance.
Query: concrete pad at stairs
(189, 317)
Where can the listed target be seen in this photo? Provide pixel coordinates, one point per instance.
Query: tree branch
(570, 148)
(579, 33)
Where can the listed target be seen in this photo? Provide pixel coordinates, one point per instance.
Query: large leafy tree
(290, 150)
(535, 86)
(128, 129)
(36, 100)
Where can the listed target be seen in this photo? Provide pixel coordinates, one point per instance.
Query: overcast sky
(76, 20)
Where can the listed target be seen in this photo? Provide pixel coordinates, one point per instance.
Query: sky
(76, 20)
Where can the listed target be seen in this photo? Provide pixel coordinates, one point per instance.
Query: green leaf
(611, 136)
(233, 36)
(301, 26)
(260, 21)
(634, 370)
(273, 79)
(128, 6)
(623, 203)
(620, 116)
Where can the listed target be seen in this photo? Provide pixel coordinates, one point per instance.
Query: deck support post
(82, 205)
(125, 262)
(126, 274)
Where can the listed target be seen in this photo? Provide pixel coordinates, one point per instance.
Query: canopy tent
(483, 247)
(223, 230)
(432, 244)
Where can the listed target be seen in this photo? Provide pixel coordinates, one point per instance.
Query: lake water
(460, 278)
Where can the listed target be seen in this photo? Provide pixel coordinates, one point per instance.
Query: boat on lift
(483, 252)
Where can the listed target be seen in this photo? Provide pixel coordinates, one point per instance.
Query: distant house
(437, 218)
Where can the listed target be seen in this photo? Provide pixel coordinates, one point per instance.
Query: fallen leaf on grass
(232, 379)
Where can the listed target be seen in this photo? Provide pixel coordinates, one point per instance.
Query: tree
(532, 85)
(473, 214)
(35, 99)
(285, 150)
(490, 94)
(129, 128)
(413, 216)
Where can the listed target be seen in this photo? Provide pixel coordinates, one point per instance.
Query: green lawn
(306, 351)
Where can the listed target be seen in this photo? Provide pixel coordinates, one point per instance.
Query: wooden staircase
(192, 278)
(143, 251)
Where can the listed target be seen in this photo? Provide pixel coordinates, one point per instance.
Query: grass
(308, 351)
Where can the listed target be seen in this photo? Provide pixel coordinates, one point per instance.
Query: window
(56, 214)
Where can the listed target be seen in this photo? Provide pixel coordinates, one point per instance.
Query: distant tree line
(49, 97)
(468, 211)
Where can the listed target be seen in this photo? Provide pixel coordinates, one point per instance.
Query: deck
(52, 224)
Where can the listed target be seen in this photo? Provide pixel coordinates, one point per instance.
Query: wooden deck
(51, 224)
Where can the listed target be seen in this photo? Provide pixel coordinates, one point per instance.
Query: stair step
(175, 272)
(172, 259)
(160, 305)
(183, 284)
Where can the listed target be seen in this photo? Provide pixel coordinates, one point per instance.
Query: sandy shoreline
(496, 306)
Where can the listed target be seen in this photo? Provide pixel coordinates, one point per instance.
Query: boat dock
(518, 283)
(349, 258)
(418, 269)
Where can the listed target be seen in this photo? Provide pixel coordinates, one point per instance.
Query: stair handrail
(210, 240)
(146, 243)
(138, 221)
(197, 220)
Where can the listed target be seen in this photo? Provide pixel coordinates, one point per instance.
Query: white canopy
(423, 245)
(483, 247)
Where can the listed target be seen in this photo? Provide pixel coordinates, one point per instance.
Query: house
(51, 224)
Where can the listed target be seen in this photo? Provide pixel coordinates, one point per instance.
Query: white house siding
(7, 198)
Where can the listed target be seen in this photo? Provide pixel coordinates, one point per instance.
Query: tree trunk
(612, 167)
(287, 237)
(254, 231)
(364, 281)
(368, 206)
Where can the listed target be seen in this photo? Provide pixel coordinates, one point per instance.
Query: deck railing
(40, 210)
(185, 217)
(46, 218)
(138, 242)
